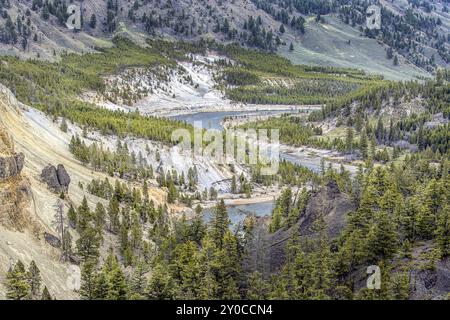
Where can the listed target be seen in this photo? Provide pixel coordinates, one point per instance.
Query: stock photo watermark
(73, 281)
(373, 17)
(374, 279)
(245, 147)
(74, 20)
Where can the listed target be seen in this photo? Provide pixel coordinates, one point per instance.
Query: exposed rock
(74, 259)
(57, 180)
(328, 202)
(50, 176)
(431, 284)
(15, 194)
(63, 177)
(11, 166)
(52, 240)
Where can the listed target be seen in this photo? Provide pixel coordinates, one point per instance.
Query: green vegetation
(55, 88)
(293, 130)
(266, 78)
(22, 284)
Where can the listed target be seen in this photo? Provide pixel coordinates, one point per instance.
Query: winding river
(237, 214)
(214, 120)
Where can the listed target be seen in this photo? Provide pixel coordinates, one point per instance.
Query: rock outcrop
(15, 194)
(57, 179)
(11, 166)
(329, 203)
(11, 163)
(52, 240)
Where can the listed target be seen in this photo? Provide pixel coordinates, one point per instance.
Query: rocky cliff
(15, 192)
(329, 203)
(11, 166)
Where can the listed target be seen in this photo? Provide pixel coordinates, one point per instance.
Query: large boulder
(57, 179)
(52, 240)
(63, 177)
(50, 176)
(11, 166)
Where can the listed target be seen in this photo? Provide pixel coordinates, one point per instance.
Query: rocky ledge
(11, 166)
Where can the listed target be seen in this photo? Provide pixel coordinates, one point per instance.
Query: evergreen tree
(220, 223)
(88, 244)
(93, 21)
(349, 140)
(364, 144)
(395, 60)
(88, 280)
(443, 232)
(46, 294)
(34, 279)
(258, 288)
(17, 283)
(117, 289)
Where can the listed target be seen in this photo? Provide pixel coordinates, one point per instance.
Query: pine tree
(84, 216)
(349, 140)
(258, 288)
(161, 285)
(220, 223)
(88, 280)
(396, 60)
(364, 144)
(138, 282)
(117, 289)
(46, 294)
(34, 279)
(209, 286)
(93, 21)
(443, 232)
(99, 217)
(88, 244)
(276, 222)
(17, 284)
(113, 212)
(228, 268)
(233, 185)
(72, 215)
(382, 238)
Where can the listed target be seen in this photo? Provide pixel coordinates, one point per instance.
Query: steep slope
(41, 143)
(21, 217)
(34, 29)
(339, 45)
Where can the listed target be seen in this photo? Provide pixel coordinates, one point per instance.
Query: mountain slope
(35, 29)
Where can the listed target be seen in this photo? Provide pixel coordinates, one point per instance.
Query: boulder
(50, 176)
(11, 166)
(57, 179)
(52, 240)
(74, 259)
(63, 177)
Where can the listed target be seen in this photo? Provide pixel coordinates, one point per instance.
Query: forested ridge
(401, 223)
(398, 215)
(55, 88)
(408, 33)
(265, 78)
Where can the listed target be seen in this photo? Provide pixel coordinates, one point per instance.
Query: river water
(237, 214)
(214, 120)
